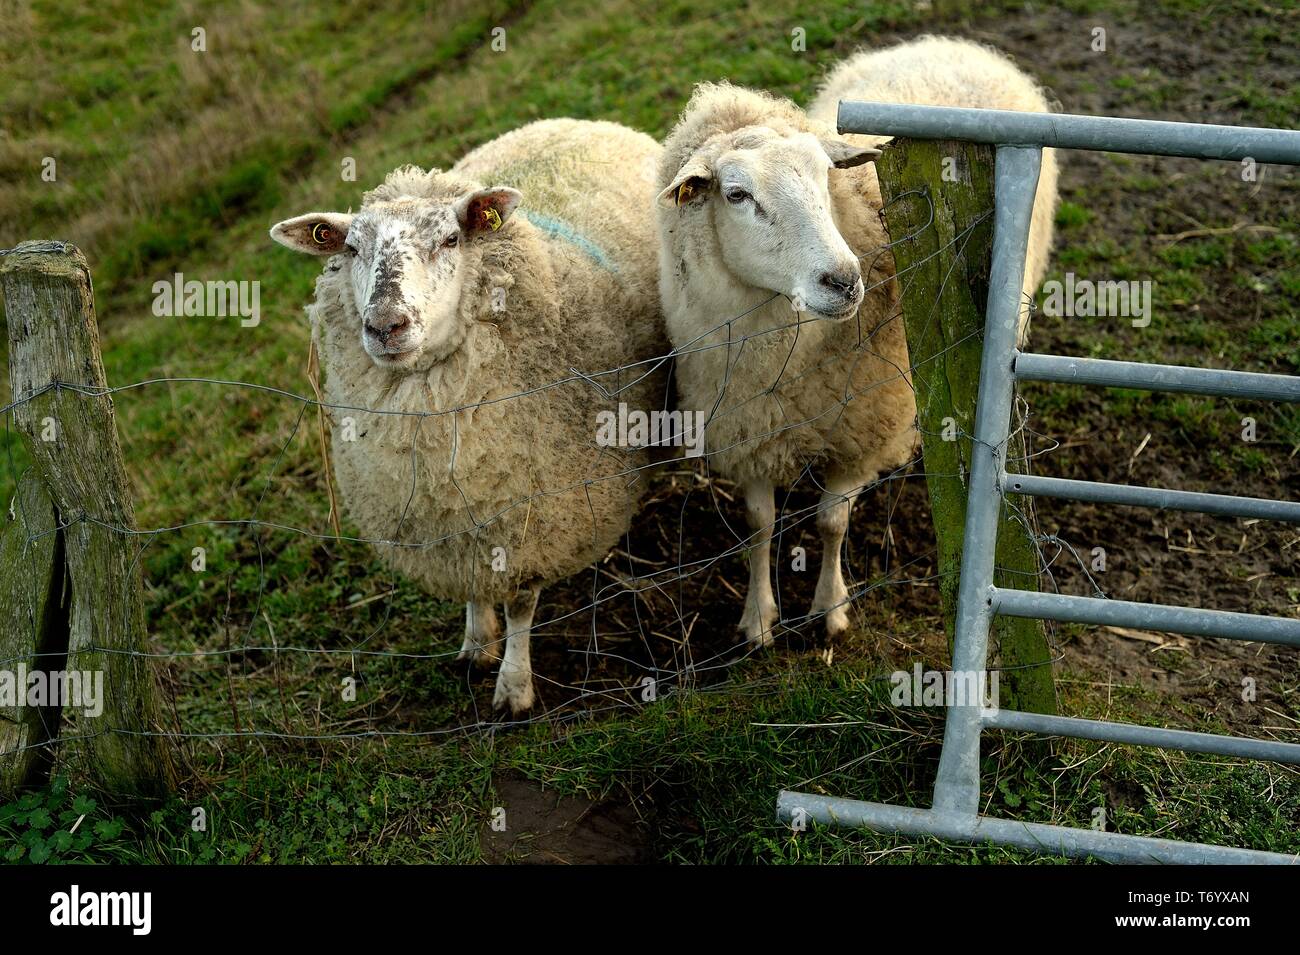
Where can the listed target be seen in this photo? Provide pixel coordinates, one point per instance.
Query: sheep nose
(386, 326)
(844, 283)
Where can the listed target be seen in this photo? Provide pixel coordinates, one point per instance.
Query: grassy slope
(170, 161)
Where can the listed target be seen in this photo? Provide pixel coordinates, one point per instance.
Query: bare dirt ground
(542, 828)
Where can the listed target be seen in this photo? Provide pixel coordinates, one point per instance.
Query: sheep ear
(691, 182)
(316, 233)
(487, 210)
(846, 155)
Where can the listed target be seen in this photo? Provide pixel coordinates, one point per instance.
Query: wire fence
(653, 584)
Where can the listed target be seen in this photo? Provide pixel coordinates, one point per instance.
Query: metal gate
(1020, 138)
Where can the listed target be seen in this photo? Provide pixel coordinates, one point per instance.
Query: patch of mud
(543, 828)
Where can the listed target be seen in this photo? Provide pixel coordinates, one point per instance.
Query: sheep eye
(451, 241)
(736, 196)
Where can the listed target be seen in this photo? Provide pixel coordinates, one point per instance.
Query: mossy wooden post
(939, 212)
(57, 379)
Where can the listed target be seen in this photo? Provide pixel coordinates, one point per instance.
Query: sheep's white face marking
(407, 263)
(771, 212)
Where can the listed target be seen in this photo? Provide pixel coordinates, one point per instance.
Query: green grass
(170, 160)
(710, 772)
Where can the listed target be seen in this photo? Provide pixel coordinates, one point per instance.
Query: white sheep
(457, 339)
(753, 221)
(947, 71)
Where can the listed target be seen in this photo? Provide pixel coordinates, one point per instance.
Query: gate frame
(1019, 139)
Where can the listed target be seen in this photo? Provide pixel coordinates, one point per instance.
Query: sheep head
(407, 258)
(766, 195)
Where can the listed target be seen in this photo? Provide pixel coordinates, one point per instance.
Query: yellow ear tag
(492, 218)
(321, 233)
(685, 192)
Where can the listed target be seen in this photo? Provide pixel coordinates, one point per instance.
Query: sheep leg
(760, 605)
(832, 596)
(515, 678)
(482, 635)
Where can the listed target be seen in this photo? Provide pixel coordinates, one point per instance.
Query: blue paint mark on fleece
(561, 229)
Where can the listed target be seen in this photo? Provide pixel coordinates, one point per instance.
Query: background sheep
(751, 221)
(437, 298)
(946, 71)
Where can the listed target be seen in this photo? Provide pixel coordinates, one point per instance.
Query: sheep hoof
(477, 657)
(515, 691)
(837, 621)
(759, 632)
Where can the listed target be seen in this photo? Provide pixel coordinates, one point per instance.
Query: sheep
(752, 221)
(970, 74)
(472, 337)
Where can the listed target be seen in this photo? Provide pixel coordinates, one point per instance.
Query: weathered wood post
(32, 583)
(57, 382)
(939, 211)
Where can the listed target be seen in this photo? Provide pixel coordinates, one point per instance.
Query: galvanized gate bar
(1172, 378)
(798, 808)
(1015, 181)
(1132, 734)
(1068, 131)
(1194, 621)
(1224, 505)
(955, 815)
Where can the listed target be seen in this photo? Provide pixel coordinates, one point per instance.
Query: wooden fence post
(32, 580)
(939, 212)
(57, 379)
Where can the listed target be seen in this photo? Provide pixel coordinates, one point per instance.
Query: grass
(173, 160)
(709, 769)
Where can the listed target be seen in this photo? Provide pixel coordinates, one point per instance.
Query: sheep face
(408, 259)
(768, 197)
